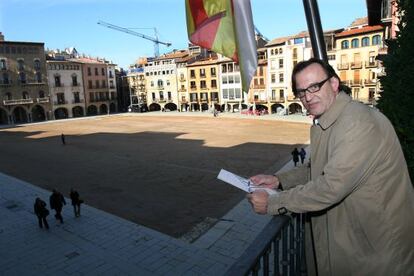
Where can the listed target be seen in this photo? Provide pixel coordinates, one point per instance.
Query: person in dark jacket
(302, 154)
(41, 212)
(76, 202)
(295, 155)
(56, 202)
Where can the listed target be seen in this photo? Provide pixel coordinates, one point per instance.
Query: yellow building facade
(356, 52)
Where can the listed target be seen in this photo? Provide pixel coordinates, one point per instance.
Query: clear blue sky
(67, 23)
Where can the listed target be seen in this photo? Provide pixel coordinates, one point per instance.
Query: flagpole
(313, 20)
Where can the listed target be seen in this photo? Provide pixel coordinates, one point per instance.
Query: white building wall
(66, 70)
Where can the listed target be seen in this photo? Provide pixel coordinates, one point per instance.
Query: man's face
(319, 102)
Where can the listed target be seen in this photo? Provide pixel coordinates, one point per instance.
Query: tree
(397, 98)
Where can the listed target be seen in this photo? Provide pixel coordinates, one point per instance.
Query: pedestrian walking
(41, 212)
(76, 202)
(295, 155)
(62, 137)
(302, 154)
(56, 202)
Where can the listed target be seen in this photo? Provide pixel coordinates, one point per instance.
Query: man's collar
(330, 116)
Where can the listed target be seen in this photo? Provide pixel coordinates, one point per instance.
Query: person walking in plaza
(62, 137)
(302, 154)
(295, 155)
(360, 198)
(56, 202)
(41, 212)
(76, 202)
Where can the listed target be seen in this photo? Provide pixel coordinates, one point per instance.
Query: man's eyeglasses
(300, 93)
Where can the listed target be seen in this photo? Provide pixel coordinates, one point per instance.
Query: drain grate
(72, 255)
(12, 205)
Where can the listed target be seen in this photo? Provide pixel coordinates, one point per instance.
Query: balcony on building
(43, 100)
(356, 65)
(343, 66)
(369, 82)
(193, 98)
(276, 100)
(259, 86)
(18, 101)
(257, 100)
(76, 101)
(60, 102)
(292, 98)
(356, 82)
(5, 82)
(371, 64)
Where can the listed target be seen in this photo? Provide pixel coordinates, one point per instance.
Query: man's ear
(334, 82)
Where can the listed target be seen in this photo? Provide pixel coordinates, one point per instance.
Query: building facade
(23, 83)
(98, 100)
(357, 48)
(203, 84)
(66, 89)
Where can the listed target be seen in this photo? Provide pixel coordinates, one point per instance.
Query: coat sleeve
(350, 162)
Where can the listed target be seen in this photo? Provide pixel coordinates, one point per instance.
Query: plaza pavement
(98, 243)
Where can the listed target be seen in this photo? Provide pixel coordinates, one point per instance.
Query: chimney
(1, 36)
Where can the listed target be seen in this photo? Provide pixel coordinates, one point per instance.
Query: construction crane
(260, 34)
(128, 31)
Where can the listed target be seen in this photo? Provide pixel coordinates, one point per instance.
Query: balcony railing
(356, 65)
(370, 64)
(343, 66)
(278, 250)
(370, 82)
(60, 102)
(43, 100)
(5, 82)
(355, 82)
(18, 102)
(276, 100)
(78, 101)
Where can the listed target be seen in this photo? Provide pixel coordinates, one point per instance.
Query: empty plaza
(157, 170)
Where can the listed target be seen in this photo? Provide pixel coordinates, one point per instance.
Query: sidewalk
(98, 243)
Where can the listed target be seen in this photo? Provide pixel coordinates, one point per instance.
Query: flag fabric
(226, 27)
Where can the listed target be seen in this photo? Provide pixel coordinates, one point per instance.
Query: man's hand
(265, 181)
(259, 200)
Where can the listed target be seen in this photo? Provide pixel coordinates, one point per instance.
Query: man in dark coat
(41, 212)
(56, 202)
(302, 154)
(76, 202)
(295, 155)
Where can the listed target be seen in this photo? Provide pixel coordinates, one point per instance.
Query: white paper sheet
(241, 182)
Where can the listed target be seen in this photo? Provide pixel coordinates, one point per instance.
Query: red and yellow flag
(226, 27)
